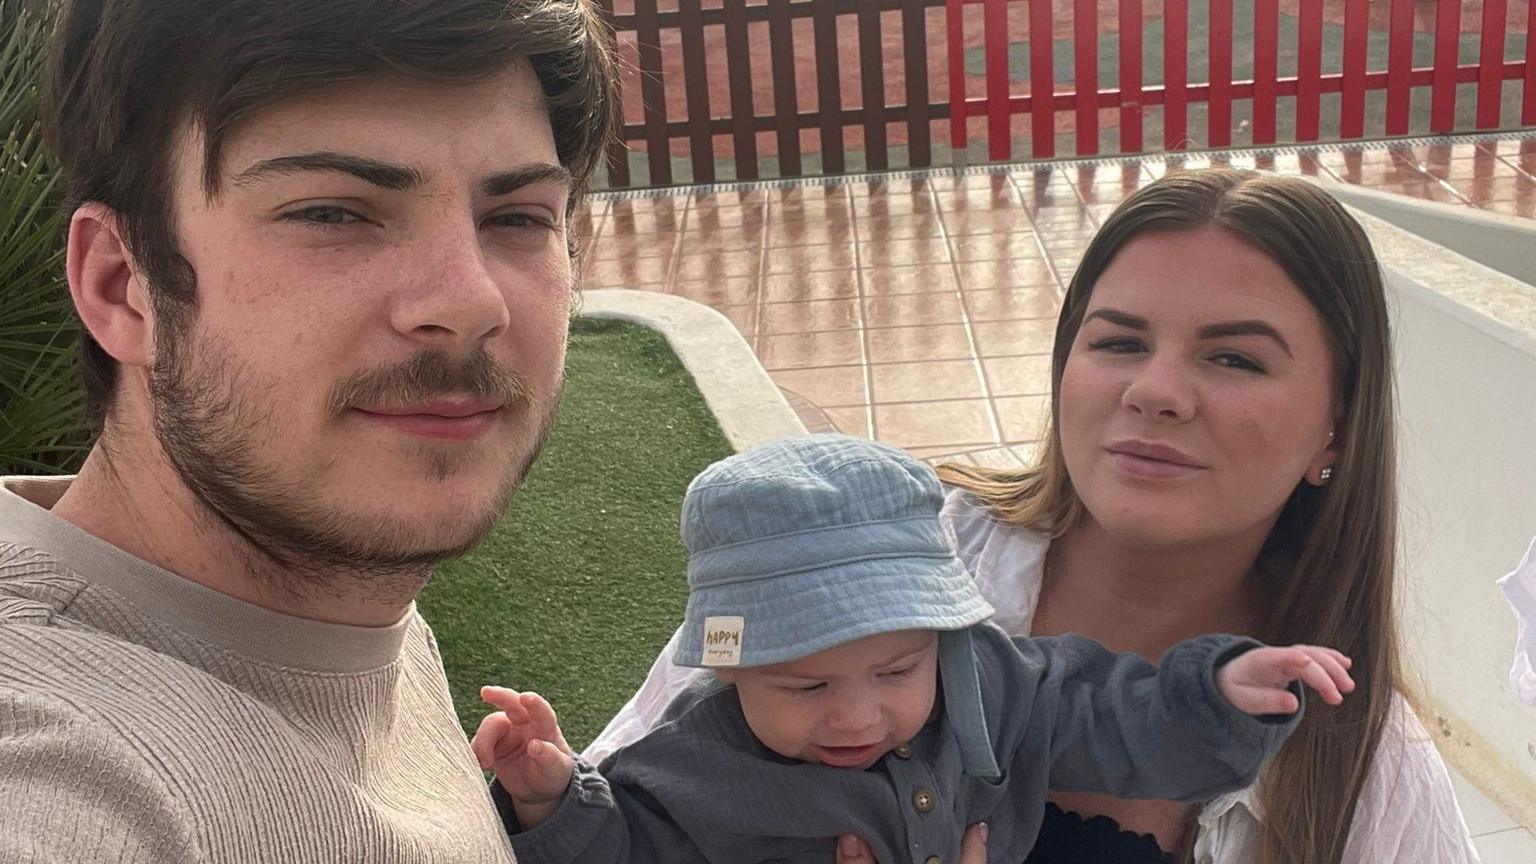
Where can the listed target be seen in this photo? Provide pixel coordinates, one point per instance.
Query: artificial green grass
(583, 580)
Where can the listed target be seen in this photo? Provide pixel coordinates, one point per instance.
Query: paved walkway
(920, 312)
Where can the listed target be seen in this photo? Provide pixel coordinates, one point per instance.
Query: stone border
(1498, 240)
(745, 401)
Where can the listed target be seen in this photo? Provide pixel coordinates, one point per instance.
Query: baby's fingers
(493, 728)
(506, 700)
(1258, 700)
(542, 720)
(1315, 676)
(1335, 667)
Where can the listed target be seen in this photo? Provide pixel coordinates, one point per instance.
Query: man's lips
(448, 419)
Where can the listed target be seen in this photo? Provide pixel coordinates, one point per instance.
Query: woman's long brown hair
(1329, 561)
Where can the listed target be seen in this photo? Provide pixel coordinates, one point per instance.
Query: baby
(858, 689)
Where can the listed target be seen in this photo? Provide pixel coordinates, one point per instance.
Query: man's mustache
(428, 375)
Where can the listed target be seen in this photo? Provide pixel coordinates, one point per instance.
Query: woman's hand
(973, 848)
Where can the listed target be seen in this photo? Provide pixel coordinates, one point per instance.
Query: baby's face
(846, 706)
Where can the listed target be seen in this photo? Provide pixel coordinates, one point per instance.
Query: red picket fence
(719, 48)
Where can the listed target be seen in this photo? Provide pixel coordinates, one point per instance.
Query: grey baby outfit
(808, 543)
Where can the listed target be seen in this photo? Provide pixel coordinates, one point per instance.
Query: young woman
(1220, 459)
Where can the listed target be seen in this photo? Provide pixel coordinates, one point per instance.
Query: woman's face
(1197, 394)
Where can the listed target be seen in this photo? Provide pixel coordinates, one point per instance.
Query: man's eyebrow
(382, 174)
(525, 175)
(1115, 316)
(1252, 327)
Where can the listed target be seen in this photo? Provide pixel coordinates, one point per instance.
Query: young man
(321, 253)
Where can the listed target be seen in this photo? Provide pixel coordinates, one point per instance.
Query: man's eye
(322, 216)
(520, 220)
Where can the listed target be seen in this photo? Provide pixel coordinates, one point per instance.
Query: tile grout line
(862, 329)
(994, 421)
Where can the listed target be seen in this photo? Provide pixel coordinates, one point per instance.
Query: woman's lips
(1150, 461)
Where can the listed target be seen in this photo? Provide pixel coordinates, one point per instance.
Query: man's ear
(106, 286)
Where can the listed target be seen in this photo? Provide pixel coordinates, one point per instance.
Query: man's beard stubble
(210, 428)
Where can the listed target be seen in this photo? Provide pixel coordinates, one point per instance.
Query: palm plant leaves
(43, 425)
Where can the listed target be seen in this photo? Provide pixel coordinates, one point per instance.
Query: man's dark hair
(128, 75)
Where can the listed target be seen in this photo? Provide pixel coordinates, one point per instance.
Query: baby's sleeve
(1123, 727)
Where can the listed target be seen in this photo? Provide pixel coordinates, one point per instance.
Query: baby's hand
(523, 745)
(1256, 681)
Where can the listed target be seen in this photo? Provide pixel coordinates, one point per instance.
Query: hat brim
(787, 619)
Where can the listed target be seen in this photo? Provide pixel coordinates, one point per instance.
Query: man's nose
(450, 297)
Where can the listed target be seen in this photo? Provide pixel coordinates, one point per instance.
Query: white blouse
(1406, 811)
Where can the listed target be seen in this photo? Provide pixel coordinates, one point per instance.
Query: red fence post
(1219, 116)
(1130, 76)
(1357, 19)
(999, 137)
(954, 17)
(1399, 66)
(1490, 72)
(1176, 74)
(1085, 74)
(1309, 69)
(1528, 111)
(1442, 99)
(1042, 81)
(1266, 37)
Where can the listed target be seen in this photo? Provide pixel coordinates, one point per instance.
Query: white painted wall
(1467, 451)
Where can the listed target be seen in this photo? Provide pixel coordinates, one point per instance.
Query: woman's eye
(1233, 360)
(1117, 345)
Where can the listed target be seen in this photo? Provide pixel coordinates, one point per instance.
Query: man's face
(383, 290)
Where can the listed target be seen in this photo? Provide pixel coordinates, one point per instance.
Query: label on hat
(722, 640)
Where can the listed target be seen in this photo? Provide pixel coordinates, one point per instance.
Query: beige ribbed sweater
(145, 718)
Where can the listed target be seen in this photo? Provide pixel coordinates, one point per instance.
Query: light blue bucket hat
(811, 542)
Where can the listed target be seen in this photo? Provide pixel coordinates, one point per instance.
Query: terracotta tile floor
(920, 311)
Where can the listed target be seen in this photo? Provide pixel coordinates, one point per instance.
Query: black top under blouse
(1068, 838)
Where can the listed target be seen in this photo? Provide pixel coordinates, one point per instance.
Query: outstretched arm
(1125, 727)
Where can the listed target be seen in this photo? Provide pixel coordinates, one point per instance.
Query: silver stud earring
(1326, 474)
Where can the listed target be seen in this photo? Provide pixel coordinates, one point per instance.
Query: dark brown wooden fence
(730, 121)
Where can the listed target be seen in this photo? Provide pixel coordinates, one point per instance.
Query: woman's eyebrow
(1252, 327)
(1115, 316)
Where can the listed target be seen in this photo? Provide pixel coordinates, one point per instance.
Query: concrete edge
(745, 401)
(1486, 298)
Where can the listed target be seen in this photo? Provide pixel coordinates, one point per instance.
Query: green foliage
(579, 586)
(43, 426)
